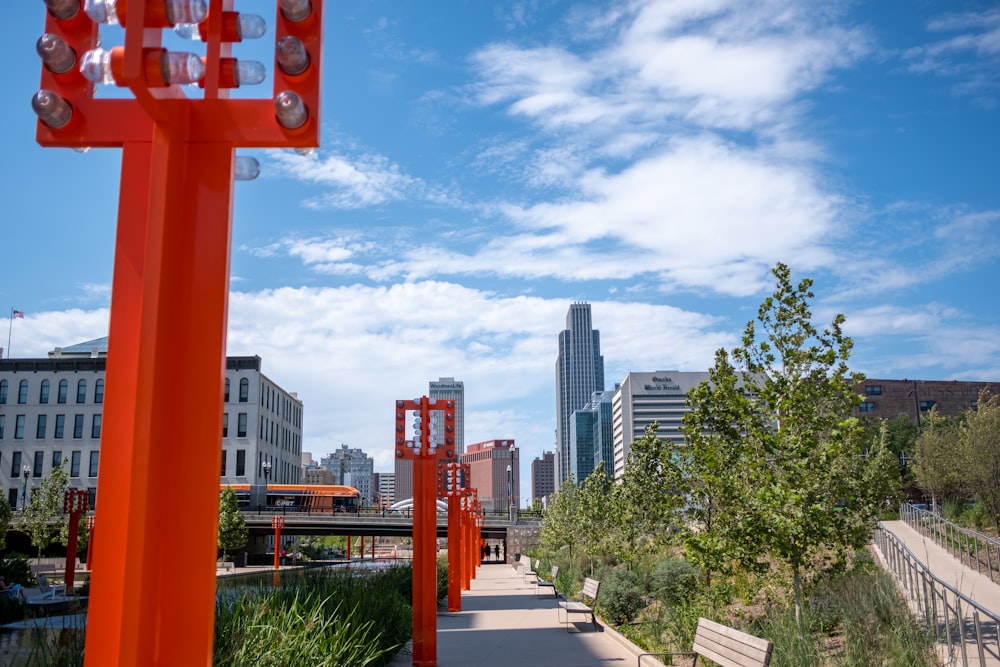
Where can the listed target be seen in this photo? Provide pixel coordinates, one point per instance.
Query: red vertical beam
(166, 343)
(424, 550)
(454, 553)
(348, 548)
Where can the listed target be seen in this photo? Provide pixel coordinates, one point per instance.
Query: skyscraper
(579, 373)
(543, 476)
(450, 389)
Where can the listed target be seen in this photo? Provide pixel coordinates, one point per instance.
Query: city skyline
(484, 166)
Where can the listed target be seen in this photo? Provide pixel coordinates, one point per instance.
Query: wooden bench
(725, 646)
(591, 587)
(551, 583)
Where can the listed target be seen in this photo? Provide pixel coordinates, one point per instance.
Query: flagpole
(10, 327)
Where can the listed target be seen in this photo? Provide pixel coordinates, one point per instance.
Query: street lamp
(24, 486)
(510, 493)
(266, 465)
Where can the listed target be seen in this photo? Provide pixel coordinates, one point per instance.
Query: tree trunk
(797, 586)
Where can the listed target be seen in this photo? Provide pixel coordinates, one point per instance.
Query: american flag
(17, 314)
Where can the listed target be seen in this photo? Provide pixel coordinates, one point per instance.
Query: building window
(225, 424)
(77, 426)
(19, 427)
(99, 391)
(63, 390)
(39, 462)
(74, 464)
(223, 473)
(22, 392)
(3, 391)
(12, 498)
(867, 406)
(81, 391)
(241, 425)
(241, 462)
(927, 405)
(94, 457)
(56, 460)
(40, 426)
(60, 426)
(873, 390)
(95, 427)
(43, 392)
(225, 396)
(3, 422)
(244, 390)
(15, 465)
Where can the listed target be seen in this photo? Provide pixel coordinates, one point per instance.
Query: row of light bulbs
(176, 68)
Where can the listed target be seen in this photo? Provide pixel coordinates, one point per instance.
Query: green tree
(779, 459)
(42, 520)
(232, 526)
(5, 516)
(981, 444)
(649, 494)
(594, 530)
(937, 467)
(559, 525)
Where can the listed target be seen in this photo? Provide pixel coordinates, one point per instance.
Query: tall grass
(321, 619)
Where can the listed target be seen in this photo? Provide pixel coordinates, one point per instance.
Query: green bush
(14, 567)
(621, 595)
(674, 581)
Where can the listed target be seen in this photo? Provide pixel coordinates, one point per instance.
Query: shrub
(621, 595)
(674, 581)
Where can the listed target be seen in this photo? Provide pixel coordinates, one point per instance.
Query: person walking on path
(496, 550)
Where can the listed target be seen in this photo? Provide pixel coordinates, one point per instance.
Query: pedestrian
(496, 550)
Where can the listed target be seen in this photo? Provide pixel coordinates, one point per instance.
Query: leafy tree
(649, 495)
(937, 466)
(779, 460)
(5, 516)
(981, 443)
(232, 526)
(594, 531)
(559, 525)
(42, 520)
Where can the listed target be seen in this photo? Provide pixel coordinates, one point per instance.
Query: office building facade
(579, 373)
(450, 389)
(914, 399)
(51, 411)
(352, 467)
(646, 397)
(543, 476)
(494, 473)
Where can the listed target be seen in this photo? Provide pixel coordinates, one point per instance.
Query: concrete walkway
(502, 623)
(947, 568)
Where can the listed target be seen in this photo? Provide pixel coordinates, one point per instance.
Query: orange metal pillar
(348, 548)
(75, 503)
(90, 542)
(424, 563)
(277, 523)
(454, 553)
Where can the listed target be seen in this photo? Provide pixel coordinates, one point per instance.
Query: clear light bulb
(248, 26)
(55, 53)
(291, 55)
(101, 11)
(96, 66)
(245, 168)
(63, 9)
(52, 110)
(249, 72)
(290, 110)
(181, 68)
(305, 152)
(295, 10)
(185, 11)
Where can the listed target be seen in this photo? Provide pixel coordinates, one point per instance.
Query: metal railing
(955, 619)
(979, 552)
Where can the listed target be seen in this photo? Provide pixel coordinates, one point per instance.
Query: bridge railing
(979, 552)
(968, 630)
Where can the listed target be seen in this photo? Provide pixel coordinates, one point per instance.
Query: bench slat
(729, 647)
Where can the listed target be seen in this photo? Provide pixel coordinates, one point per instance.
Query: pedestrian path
(965, 636)
(947, 568)
(503, 623)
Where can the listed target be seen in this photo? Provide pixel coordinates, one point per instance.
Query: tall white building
(579, 373)
(647, 397)
(450, 389)
(51, 411)
(351, 467)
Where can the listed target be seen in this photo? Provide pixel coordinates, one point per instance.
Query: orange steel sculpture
(453, 485)
(277, 522)
(74, 504)
(90, 541)
(425, 452)
(153, 588)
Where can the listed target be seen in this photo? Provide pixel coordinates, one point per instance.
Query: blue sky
(485, 164)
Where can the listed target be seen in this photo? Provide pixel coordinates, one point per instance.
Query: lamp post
(511, 508)
(26, 470)
(266, 468)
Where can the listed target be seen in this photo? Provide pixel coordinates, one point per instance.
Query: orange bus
(301, 497)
